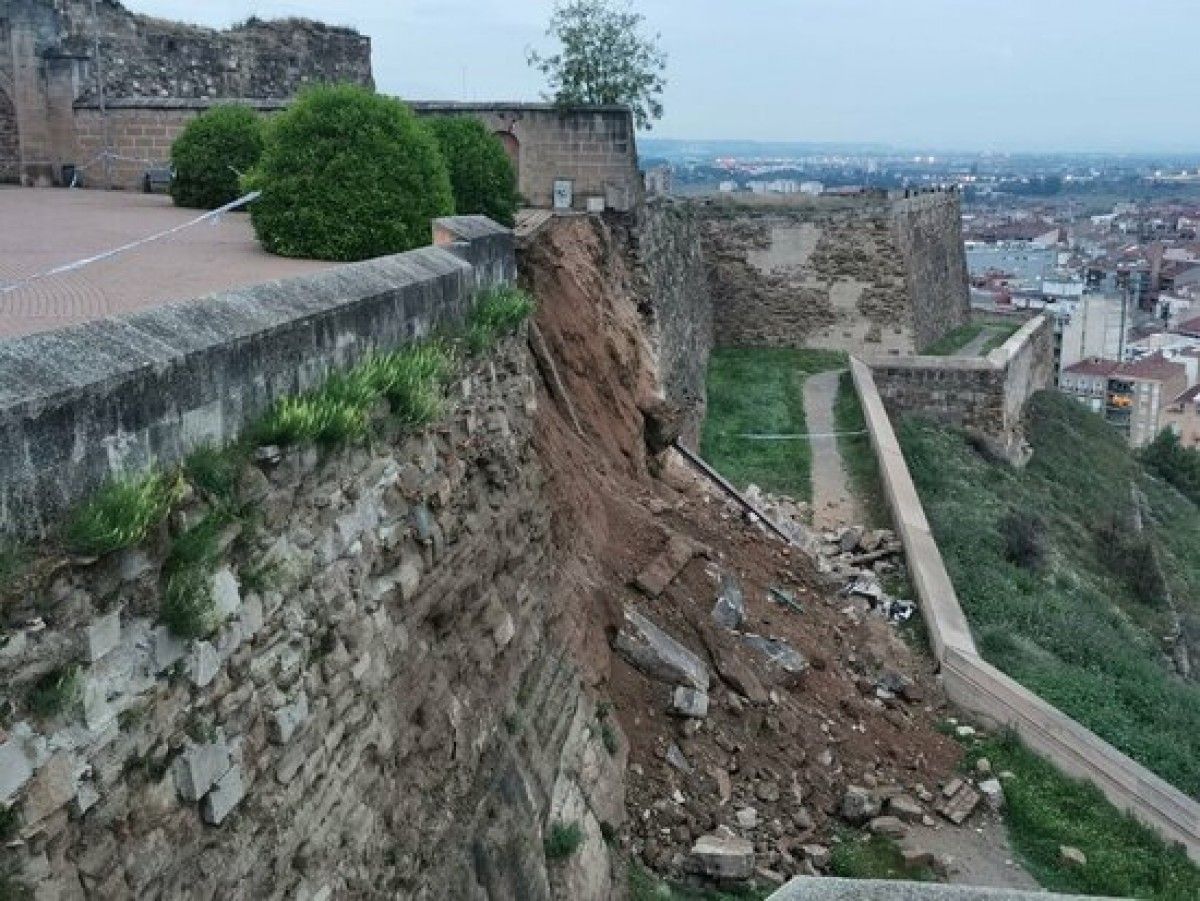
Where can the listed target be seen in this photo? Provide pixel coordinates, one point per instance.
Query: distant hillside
(1062, 590)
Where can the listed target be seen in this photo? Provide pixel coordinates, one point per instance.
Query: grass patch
(216, 471)
(411, 379)
(121, 514)
(187, 604)
(54, 693)
(857, 454)
(563, 841)
(1075, 630)
(761, 391)
(498, 311)
(873, 857)
(954, 340)
(1044, 810)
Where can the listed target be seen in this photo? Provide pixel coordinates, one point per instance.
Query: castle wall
(591, 148)
(865, 274)
(383, 711)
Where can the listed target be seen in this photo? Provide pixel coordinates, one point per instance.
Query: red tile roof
(1155, 367)
(1093, 366)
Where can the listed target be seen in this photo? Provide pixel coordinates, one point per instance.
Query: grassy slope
(761, 391)
(1045, 810)
(1073, 633)
(954, 341)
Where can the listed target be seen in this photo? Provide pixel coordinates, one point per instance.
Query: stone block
(730, 609)
(286, 720)
(723, 855)
(16, 769)
(199, 767)
(203, 664)
(51, 789)
(779, 653)
(689, 702)
(224, 797)
(103, 635)
(657, 654)
(168, 650)
(226, 594)
(97, 712)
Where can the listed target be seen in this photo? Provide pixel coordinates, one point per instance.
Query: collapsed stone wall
(867, 275)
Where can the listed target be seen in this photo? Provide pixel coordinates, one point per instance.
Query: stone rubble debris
(657, 654)
(724, 855)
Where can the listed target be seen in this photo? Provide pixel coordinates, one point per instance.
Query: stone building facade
(50, 77)
(582, 158)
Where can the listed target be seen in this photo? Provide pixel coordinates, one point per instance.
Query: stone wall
(673, 296)
(868, 274)
(382, 712)
(591, 148)
(140, 134)
(986, 395)
(82, 403)
(47, 67)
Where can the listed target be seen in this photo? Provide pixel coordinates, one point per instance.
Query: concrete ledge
(980, 688)
(808, 888)
(119, 395)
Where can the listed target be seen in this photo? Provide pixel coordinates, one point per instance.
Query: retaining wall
(95, 400)
(979, 688)
(983, 394)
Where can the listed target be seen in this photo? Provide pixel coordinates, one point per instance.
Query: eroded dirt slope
(786, 745)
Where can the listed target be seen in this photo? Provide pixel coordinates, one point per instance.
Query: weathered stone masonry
(48, 71)
(868, 275)
(382, 713)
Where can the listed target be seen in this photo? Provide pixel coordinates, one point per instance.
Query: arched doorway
(10, 143)
(512, 147)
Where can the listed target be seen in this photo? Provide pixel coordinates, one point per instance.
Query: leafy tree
(1177, 464)
(603, 58)
(211, 153)
(481, 173)
(348, 174)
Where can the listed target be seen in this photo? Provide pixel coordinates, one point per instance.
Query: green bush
(121, 514)
(1179, 465)
(347, 174)
(54, 692)
(212, 153)
(481, 173)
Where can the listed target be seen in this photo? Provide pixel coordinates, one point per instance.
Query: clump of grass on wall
(563, 841)
(411, 379)
(121, 514)
(216, 471)
(54, 693)
(187, 605)
(498, 312)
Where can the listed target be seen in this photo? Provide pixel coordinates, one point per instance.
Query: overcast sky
(947, 74)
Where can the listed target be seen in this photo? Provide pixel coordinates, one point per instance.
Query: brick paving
(44, 228)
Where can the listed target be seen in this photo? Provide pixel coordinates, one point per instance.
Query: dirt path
(833, 503)
(978, 853)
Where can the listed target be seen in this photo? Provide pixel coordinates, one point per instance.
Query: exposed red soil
(790, 754)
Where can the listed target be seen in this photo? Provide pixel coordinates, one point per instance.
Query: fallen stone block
(906, 808)
(1072, 857)
(657, 654)
(888, 826)
(730, 609)
(993, 793)
(723, 855)
(654, 579)
(689, 702)
(858, 806)
(962, 805)
(676, 758)
(779, 653)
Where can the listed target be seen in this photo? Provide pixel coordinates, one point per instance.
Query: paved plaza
(41, 229)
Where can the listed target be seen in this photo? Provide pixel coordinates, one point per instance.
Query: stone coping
(184, 103)
(980, 688)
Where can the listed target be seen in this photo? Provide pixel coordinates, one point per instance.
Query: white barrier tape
(79, 264)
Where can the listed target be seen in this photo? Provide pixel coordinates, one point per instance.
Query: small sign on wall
(564, 194)
(595, 205)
